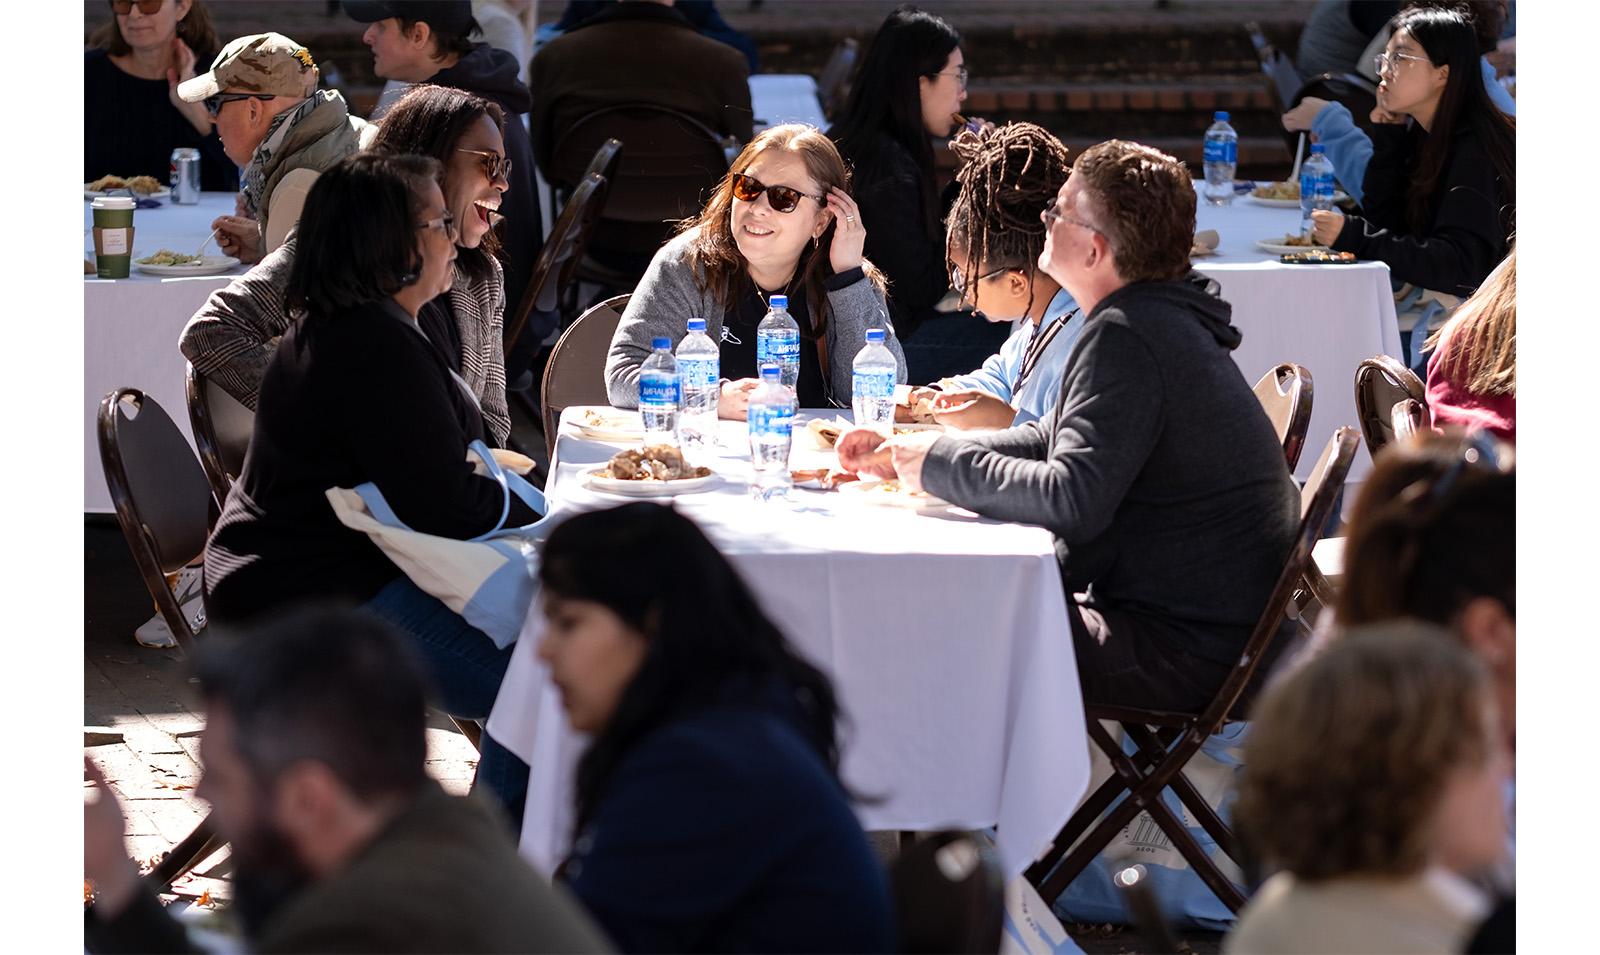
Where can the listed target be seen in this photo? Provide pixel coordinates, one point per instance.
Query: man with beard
(314, 748)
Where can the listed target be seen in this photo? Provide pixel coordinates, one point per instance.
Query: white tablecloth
(1325, 317)
(131, 325)
(778, 98)
(946, 638)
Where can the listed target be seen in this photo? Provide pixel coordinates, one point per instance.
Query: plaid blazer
(232, 336)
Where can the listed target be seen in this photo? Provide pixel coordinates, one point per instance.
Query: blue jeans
(464, 669)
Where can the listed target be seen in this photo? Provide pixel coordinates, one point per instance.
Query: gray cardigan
(668, 296)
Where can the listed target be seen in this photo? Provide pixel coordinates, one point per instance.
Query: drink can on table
(185, 176)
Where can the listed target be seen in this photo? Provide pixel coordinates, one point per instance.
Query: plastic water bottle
(872, 382)
(1316, 186)
(700, 372)
(658, 394)
(1221, 159)
(771, 416)
(778, 340)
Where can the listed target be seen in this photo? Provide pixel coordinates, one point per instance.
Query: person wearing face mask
(355, 393)
(994, 238)
(262, 95)
(314, 755)
(781, 221)
(132, 116)
(232, 337)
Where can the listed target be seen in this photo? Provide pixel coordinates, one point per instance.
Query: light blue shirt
(1039, 393)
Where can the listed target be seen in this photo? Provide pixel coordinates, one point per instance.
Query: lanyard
(1042, 337)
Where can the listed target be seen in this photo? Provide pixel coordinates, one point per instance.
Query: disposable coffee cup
(113, 236)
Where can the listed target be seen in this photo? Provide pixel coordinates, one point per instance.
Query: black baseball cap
(445, 16)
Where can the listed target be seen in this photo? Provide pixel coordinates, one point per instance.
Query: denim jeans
(464, 668)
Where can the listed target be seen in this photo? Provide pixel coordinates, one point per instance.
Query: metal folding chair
(1381, 383)
(1285, 394)
(221, 425)
(575, 374)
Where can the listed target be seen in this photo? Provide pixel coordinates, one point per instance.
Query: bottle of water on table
(872, 382)
(771, 416)
(1316, 186)
(778, 340)
(659, 394)
(700, 371)
(1221, 159)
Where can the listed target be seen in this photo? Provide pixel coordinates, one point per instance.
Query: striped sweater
(231, 337)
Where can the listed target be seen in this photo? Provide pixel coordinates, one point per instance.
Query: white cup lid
(112, 202)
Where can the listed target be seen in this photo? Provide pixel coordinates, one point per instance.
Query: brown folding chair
(1381, 383)
(1285, 394)
(576, 372)
(949, 895)
(833, 83)
(1166, 741)
(558, 260)
(221, 425)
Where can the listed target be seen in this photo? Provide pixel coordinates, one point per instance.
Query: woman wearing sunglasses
(132, 116)
(232, 336)
(781, 222)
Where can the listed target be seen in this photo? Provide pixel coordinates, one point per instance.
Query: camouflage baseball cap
(266, 63)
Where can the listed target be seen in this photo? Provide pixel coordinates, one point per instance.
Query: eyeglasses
(214, 102)
(960, 74)
(1049, 214)
(445, 223)
(781, 198)
(1390, 62)
(958, 282)
(495, 166)
(147, 7)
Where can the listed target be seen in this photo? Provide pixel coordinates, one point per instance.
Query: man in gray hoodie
(1158, 471)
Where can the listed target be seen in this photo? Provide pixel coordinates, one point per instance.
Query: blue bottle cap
(771, 372)
(660, 343)
(1220, 116)
(697, 324)
(780, 301)
(1318, 148)
(874, 336)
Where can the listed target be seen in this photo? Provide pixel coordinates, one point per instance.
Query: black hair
(1449, 38)
(707, 633)
(430, 120)
(357, 238)
(444, 41)
(885, 99)
(335, 686)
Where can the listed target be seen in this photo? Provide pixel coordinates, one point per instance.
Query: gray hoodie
(668, 296)
(1158, 471)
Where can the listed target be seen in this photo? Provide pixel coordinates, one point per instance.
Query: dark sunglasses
(495, 166)
(147, 7)
(214, 102)
(781, 198)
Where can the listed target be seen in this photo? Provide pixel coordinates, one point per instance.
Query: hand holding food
(734, 400)
(863, 451)
(238, 237)
(1327, 225)
(908, 452)
(966, 410)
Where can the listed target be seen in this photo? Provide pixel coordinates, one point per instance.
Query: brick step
(1231, 93)
(1260, 157)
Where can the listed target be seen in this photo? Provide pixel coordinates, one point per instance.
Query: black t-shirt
(130, 128)
(738, 343)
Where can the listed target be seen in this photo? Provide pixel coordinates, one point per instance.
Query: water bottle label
(783, 349)
(1219, 150)
(658, 389)
(699, 372)
(872, 384)
(771, 419)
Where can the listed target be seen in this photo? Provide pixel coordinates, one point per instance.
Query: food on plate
(144, 185)
(829, 478)
(1277, 190)
(168, 257)
(658, 462)
(1296, 239)
(1318, 257)
(827, 432)
(108, 182)
(599, 420)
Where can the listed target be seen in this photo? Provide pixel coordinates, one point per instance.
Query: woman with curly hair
(1372, 783)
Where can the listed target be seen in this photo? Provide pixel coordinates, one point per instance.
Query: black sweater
(359, 397)
(1157, 471)
(1465, 238)
(887, 186)
(130, 128)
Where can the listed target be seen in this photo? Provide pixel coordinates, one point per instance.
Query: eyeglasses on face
(1049, 214)
(960, 73)
(1390, 62)
(781, 198)
(147, 7)
(959, 282)
(495, 166)
(445, 223)
(214, 102)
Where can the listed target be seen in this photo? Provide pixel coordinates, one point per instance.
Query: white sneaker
(155, 633)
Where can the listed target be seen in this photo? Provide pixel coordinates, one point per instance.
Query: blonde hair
(1348, 755)
(1483, 334)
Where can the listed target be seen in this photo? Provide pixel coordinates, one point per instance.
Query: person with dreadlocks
(992, 245)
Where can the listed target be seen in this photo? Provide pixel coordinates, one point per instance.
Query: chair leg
(1076, 826)
(1186, 845)
(1088, 848)
(181, 858)
(1192, 800)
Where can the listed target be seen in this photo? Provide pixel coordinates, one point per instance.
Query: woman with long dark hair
(132, 116)
(1439, 195)
(906, 94)
(710, 816)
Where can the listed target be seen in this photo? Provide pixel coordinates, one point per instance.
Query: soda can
(185, 176)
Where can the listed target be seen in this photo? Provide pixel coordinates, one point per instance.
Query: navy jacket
(723, 831)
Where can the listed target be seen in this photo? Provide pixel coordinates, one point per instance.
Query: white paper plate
(610, 485)
(1278, 248)
(873, 492)
(616, 425)
(1338, 196)
(161, 193)
(208, 265)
